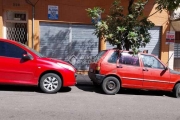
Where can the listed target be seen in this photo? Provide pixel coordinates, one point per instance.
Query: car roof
(125, 51)
(8, 40)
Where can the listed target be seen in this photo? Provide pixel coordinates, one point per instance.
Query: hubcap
(50, 83)
(111, 85)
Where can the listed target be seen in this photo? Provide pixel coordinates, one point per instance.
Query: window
(2, 49)
(10, 50)
(113, 58)
(129, 59)
(151, 62)
(99, 55)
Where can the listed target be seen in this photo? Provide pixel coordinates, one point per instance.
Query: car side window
(2, 49)
(113, 58)
(129, 59)
(10, 50)
(151, 62)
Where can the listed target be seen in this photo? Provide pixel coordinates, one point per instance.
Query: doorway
(16, 26)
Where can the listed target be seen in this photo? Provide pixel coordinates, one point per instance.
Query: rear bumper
(97, 78)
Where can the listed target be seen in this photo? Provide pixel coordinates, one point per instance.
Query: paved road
(85, 102)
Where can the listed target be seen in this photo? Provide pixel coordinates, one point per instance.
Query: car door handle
(145, 69)
(119, 66)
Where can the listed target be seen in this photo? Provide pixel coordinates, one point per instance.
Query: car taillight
(97, 70)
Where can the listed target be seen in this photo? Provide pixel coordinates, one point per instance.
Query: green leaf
(131, 16)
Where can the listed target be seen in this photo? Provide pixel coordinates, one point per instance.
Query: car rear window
(99, 55)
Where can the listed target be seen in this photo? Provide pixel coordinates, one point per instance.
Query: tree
(169, 5)
(130, 30)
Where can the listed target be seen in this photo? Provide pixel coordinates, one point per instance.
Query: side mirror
(26, 57)
(166, 68)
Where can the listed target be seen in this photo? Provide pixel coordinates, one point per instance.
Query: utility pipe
(33, 16)
(33, 13)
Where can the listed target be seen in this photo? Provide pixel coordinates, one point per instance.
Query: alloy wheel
(50, 83)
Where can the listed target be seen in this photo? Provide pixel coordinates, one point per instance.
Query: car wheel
(50, 83)
(111, 85)
(176, 91)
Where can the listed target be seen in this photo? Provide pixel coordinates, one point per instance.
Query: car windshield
(32, 50)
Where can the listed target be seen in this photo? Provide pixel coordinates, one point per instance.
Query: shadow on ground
(97, 89)
(17, 88)
(90, 88)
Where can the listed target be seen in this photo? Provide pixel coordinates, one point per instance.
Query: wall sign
(53, 12)
(170, 36)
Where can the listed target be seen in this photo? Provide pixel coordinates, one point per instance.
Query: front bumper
(97, 78)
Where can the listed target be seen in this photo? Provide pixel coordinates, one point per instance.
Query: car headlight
(66, 66)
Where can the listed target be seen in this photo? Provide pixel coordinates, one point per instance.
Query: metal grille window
(177, 50)
(177, 45)
(16, 26)
(18, 32)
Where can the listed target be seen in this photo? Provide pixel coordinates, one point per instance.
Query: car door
(155, 74)
(13, 69)
(130, 71)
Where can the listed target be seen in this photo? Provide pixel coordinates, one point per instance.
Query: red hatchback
(113, 69)
(21, 65)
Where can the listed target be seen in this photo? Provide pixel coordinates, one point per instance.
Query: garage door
(153, 46)
(70, 42)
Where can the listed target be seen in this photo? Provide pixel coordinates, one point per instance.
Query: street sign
(53, 12)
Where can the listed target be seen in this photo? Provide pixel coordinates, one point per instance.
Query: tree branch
(130, 5)
(153, 13)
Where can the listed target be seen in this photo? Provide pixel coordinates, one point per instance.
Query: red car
(115, 69)
(21, 65)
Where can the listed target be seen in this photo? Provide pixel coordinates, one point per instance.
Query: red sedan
(21, 65)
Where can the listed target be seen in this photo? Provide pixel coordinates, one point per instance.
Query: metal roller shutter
(84, 45)
(54, 39)
(70, 42)
(153, 46)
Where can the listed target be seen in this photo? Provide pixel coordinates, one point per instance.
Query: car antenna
(169, 59)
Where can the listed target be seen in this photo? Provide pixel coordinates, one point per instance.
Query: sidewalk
(83, 79)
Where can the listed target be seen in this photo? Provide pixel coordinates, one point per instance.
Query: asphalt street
(85, 102)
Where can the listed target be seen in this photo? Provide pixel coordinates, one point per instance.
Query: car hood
(58, 61)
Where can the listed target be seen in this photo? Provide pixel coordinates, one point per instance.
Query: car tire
(176, 91)
(50, 83)
(111, 85)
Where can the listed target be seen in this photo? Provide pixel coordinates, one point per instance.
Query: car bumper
(69, 79)
(97, 78)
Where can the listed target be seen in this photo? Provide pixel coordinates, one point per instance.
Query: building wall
(1, 21)
(160, 19)
(175, 26)
(73, 11)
